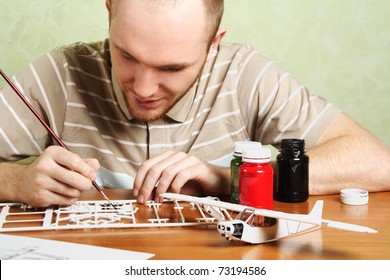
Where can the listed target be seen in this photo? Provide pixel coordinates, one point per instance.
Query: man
(158, 107)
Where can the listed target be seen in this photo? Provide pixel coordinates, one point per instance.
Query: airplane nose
(224, 230)
(221, 229)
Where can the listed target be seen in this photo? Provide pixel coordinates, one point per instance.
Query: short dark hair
(214, 10)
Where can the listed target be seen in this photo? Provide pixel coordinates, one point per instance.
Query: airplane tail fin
(316, 212)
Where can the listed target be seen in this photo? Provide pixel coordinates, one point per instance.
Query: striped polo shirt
(240, 95)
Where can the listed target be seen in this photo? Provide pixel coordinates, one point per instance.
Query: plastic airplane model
(254, 225)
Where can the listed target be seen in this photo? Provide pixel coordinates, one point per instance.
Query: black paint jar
(292, 172)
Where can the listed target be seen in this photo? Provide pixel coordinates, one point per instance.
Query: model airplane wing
(313, 218)
(256, 226)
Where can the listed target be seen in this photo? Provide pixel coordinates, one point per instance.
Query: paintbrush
(42, 121)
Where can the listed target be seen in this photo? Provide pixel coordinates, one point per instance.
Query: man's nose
(145, 82)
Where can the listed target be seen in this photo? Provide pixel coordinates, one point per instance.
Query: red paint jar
(256, 179)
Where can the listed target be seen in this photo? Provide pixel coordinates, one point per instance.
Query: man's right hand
(56, 177)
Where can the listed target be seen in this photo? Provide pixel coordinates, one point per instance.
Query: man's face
(157, 54)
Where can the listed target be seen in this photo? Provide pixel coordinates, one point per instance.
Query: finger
(62, 189)
(149, 174)
(193, 176)
(69, 168)
(145, 167)
(58, 199)
(94, 163)
(45, 169)
(165, 170)
(55, 195)
(177, 174)
(70, 178)
(71, 161)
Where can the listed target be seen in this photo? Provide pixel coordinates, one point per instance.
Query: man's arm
(348, 156)
(56, 177)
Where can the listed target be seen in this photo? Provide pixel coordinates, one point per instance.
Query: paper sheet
(24, 248)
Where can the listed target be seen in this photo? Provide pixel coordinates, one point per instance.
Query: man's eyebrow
(124, 52)
(165, 66)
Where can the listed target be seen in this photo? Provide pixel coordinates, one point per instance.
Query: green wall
(340, 49)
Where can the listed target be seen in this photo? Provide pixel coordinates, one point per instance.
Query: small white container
(354, 196)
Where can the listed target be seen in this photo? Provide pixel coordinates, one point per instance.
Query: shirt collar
(178, 113)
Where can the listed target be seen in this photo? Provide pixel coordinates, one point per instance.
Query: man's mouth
(148, 104)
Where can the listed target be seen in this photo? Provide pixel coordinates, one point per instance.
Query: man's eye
(171, 69)
(128, 57)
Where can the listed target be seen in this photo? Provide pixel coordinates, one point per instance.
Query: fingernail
(141, 199)
(135, 192)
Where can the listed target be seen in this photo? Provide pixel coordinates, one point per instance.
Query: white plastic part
(354, 196)
(98, 214)
(256, 226)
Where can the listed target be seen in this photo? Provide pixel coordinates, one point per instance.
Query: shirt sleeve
(42, 83)
(276, 106)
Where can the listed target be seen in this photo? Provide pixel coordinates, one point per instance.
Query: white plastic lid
(239, 146)
(354, 196)
(256, 154)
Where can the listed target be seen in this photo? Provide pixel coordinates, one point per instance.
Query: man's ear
(108, 6)
(218, 37)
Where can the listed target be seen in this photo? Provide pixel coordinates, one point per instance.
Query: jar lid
(239, 146)
(256, 155)
(354, 196)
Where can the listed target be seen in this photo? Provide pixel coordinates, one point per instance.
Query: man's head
(213, 10)
(158, 48)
